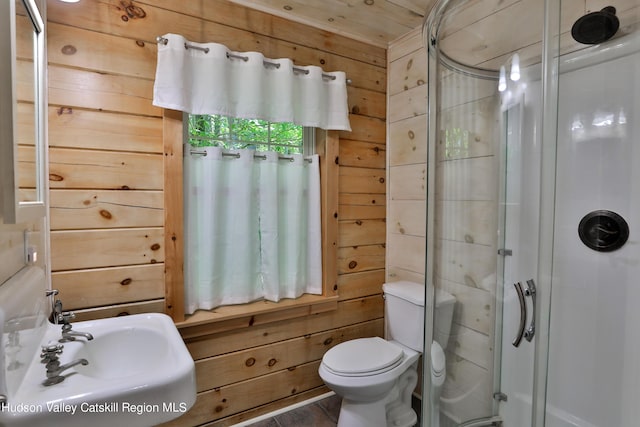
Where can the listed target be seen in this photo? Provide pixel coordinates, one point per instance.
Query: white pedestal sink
(139, 374)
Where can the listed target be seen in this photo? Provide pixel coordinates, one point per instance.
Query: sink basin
(140, 373)
(143, 356)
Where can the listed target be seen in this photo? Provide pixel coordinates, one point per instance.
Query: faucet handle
(50, 352)
(64, 317)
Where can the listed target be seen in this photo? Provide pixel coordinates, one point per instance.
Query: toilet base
(402, 417)
(392, 410)
(375, 414)
(359, 414)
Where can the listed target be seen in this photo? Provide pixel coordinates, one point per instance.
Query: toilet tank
(444, 305)
(404, 313)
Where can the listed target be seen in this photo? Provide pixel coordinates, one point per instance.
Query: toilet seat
(362, 357)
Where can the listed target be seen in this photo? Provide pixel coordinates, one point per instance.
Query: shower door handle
(531, 292)
(523, 314)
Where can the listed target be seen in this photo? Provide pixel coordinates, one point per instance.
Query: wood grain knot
(250, 361)
(65, 110)
(155, 246)
(272, 362)
(355, 109)
(381, 180)
(328, 341)
(358, 222)
(353, 265)
(68, 49)
(105, 214)
(133, 11)
(55, 177)
(140, 43)
(411, 134)
(126, 281)
(122, 313)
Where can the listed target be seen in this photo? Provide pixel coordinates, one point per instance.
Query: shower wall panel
(595, 293)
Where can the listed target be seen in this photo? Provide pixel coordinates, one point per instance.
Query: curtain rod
(255, 156)
(165, 41)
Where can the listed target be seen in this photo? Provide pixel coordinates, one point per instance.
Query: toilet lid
(363, 356)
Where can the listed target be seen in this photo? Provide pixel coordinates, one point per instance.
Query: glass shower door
(518, 230)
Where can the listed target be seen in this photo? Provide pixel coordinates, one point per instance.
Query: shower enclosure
(534, 212)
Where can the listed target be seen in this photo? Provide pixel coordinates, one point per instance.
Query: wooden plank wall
(107, 192)
(407, 159)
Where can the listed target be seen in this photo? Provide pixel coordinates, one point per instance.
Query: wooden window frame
(244, 315)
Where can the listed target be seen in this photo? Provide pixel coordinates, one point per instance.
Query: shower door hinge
(505, 252)
(500, 396)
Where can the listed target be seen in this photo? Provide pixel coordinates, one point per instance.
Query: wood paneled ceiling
(373, 21)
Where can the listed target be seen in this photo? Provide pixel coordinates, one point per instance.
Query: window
(260, 135)
(253, 221)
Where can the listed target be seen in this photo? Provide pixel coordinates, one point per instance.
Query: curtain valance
(208, 78)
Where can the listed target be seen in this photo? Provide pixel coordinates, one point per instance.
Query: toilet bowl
(376, 377)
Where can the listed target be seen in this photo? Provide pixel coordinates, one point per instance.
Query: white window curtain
(252, 227)
(208, 78)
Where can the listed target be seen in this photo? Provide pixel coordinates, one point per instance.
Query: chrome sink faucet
(69, 335)
(64, 318)
(49, 356)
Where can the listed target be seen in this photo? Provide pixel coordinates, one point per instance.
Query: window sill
(227, 318)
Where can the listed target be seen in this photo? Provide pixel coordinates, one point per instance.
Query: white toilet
(376, 377)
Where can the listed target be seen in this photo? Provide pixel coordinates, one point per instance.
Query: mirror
(22, 112)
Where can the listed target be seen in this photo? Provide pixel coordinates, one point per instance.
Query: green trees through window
(233, 133)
